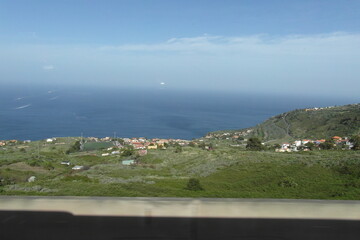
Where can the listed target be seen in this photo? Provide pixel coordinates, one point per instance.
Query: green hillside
(225, 171)
(308, 123)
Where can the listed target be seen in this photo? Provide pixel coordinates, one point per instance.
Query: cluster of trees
(254, 144)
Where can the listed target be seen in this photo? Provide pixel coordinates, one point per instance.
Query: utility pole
(82, 142)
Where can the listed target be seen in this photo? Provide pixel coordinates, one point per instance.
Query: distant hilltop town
(316, 108)
(229, 135)
(309, 144)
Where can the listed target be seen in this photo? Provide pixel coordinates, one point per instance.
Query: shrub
(355, 140)
(194, 185)
(178, 149)
(288, 182)
(127, 152)
(327, 145)
(47, 165)
(6, 181)
(254, 144)
(74, 148)
(33, 163)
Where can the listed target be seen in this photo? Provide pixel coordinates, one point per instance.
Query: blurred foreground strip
(187, 207)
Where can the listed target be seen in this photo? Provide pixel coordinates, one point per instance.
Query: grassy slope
(300, 124)
(341, 121)
(224, 172)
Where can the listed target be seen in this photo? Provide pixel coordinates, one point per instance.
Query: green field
(226, 171)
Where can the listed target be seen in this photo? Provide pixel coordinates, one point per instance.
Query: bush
(127, 152)
(178, 149)
(327, 145)
(33, 163)
(288, 182)
(355, 140)
(194, 185)
(6, 181)
(47, 165)
(254, 144)
(74, 148)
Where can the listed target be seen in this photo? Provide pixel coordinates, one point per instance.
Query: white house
(77, 167)
(297, 143)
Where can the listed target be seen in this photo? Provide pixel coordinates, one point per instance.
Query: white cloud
(323, 63)
(48, 67)
(333, 43)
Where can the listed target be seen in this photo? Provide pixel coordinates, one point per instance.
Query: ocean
(41, 112)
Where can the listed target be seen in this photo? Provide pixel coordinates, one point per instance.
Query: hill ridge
(303, 123)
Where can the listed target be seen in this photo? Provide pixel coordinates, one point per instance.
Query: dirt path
(287, 124)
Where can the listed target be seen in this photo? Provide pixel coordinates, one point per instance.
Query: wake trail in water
(25, 106)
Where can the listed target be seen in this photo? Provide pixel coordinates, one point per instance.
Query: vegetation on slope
(224, 171)
(313, 123)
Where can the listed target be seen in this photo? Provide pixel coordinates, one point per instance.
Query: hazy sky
(305, 46)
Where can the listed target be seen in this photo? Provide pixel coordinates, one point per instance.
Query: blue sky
(303, 47)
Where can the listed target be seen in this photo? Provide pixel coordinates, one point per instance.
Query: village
(335, 142)
(107, 146)
(229, 135)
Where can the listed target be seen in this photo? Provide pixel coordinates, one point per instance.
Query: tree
(127, 152)
(74, 148)
(202, 145)
(178, 149)
(240, 139)
(276, 145)
(254, 144)
(310, 145)
(211, 146)
(327, 145)
(355, 140)
(194, 185)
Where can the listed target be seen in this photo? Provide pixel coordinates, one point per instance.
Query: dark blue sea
(35, 112)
